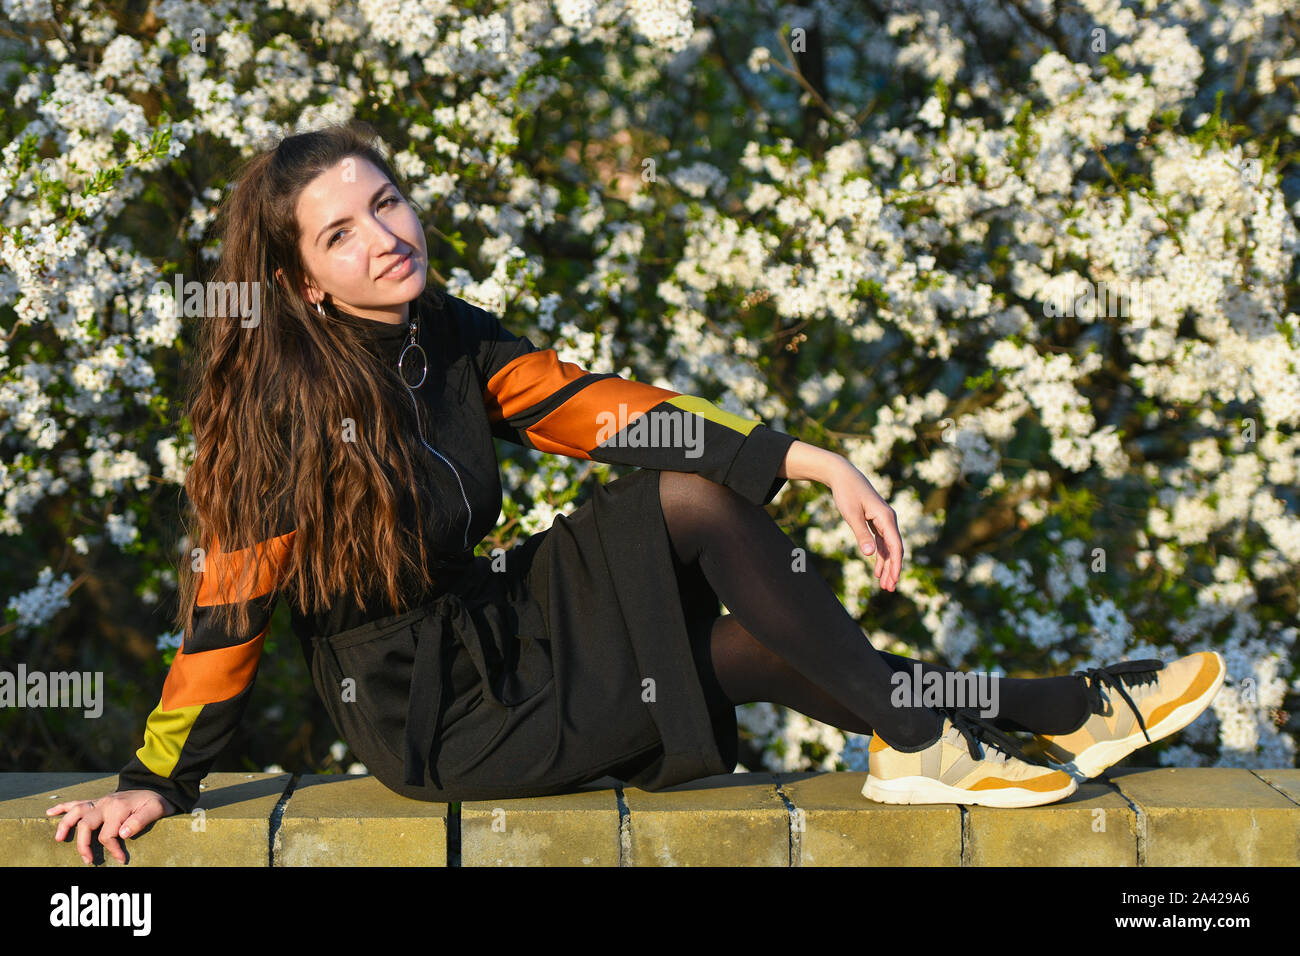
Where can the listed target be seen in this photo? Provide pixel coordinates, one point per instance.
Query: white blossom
(38, 604)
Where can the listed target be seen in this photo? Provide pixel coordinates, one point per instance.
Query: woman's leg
(789, 640)
(746, 671)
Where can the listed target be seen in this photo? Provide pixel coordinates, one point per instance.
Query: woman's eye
(382, 203)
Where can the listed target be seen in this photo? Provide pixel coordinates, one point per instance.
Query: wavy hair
(266, 405)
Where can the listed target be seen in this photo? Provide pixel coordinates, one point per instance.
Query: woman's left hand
(874, 523)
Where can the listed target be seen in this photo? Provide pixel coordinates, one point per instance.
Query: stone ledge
(1129, 817)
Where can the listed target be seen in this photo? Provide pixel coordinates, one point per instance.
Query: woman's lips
(400, 270)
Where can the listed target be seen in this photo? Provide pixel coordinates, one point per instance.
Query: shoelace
(977, 730)
(1133, 672)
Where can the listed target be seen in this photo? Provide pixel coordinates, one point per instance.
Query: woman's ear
(306, 291)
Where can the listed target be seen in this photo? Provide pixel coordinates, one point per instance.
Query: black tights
(789, 641)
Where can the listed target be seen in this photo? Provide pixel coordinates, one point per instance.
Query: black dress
(577, 654)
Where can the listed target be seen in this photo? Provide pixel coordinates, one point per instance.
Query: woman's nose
(383, 241)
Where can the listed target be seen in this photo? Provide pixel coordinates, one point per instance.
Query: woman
(344, 458)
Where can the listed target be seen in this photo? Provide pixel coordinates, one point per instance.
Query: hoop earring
(319, 309)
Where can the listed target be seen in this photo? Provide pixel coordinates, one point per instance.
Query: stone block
(1210, 816)
(1094, 826)
(835, 825)
(726, 820)
(572, 829)
(354, 820)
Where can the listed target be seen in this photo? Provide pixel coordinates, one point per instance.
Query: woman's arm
(805, 462)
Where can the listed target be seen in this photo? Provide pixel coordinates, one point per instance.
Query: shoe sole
(1097, 758)
(920, 790)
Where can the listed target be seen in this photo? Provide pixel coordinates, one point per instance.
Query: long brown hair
(267, 405)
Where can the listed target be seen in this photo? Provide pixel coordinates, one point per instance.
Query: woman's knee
(686, 493)
(743, 667)
(693, 507)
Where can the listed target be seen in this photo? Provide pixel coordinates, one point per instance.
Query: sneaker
(971, 762)
(1158, 699)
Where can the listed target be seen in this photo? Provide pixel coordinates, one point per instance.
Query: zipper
(412, 344)
(465, 497)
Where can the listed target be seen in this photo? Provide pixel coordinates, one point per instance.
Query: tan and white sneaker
(1132, 704)
(970, 763)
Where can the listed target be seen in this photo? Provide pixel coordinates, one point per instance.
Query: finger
(108, 838)
(887, 566)
(84, 829)
(896, 546)
(866, 540)
(108, 834)
(857, 519)
(882, 546)
(885, 562)
(67, 823)
(130, 826)
(893, 547)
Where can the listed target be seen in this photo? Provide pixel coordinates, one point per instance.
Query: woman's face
(354, 226)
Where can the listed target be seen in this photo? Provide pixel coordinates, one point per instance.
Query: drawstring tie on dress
(424, 709)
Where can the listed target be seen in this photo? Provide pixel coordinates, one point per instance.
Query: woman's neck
(388, 319)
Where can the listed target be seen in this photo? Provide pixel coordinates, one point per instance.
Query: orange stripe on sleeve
(210, 676)
(221, 582)
(527, 381)
(586, 418)
(594, 415)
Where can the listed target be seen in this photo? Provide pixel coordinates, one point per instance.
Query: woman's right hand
(118, 815)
